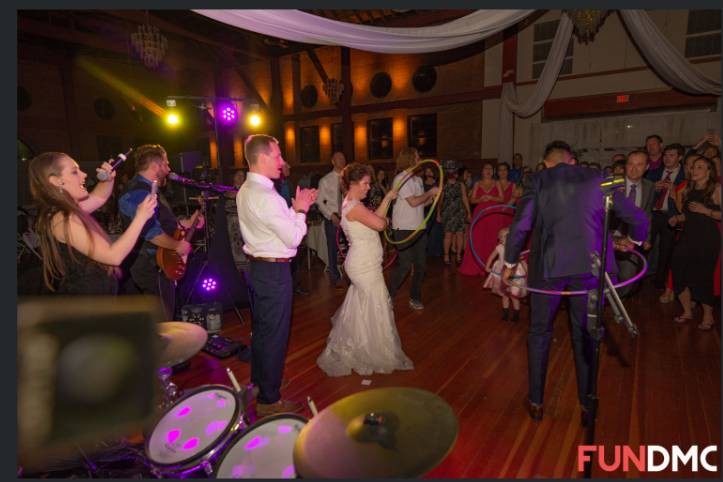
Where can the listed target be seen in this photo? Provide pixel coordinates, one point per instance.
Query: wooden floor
(662, 388)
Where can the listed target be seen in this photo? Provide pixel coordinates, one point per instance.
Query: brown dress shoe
(281, 406)
(534, 409)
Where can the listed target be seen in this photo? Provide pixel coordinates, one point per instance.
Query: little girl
(494, 280)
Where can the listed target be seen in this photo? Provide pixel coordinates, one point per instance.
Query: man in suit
(641, 192)
(563, 207)
(329, 202)
(666, 178)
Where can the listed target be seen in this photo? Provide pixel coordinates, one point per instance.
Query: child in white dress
(494, 280)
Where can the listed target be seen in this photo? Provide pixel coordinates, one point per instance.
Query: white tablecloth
(315, 240)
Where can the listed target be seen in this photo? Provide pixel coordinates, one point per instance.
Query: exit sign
(622, 99)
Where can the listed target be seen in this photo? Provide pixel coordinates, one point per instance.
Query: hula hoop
(538, 290)
(385, 265)
(409, 172)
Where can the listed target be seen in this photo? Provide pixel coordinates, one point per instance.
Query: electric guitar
(173, 264)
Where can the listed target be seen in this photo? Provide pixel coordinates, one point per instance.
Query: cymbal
(181, 340)
(379, 433)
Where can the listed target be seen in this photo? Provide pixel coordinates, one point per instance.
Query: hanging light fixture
(150, 44)
(587, 23)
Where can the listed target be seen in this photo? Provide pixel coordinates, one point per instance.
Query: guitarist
(151, 164)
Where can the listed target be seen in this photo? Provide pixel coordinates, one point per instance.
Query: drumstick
(312, 406)
(236, 386)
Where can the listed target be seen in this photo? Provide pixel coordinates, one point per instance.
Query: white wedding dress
(363, 336)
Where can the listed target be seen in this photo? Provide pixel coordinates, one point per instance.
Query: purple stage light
(209, 284)
(227, 114)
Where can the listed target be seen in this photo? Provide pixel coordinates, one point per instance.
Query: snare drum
(194, 430)
(263, 451)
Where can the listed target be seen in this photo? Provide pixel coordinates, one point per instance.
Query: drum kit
(384, 432)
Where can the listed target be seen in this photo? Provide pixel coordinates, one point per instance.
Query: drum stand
(170, 389)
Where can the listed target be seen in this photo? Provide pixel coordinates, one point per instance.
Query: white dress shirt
(269, 228)
(328, 196)
(404, 216)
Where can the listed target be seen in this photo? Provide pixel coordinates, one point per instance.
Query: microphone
(183, 180)
(120, 159)
(612, 183)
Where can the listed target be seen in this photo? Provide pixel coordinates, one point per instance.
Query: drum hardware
(180, 341)
(354, 436)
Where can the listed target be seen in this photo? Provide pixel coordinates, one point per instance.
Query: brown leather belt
(269, 260)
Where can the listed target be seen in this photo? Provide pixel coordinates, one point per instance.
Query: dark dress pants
(147, 278)
(330, 231)
(271, 289)
(411, 254)
(543, 309)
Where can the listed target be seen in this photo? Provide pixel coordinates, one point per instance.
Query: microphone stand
(595, 328)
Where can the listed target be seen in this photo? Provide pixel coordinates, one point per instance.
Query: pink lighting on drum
(183, 412)
(191, 444)
(288, 473)
(285, 428)
(214, 427)
(220, 403)
(238, 471)
(255, 443)
(173, 436)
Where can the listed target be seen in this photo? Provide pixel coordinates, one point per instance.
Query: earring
(60, 188)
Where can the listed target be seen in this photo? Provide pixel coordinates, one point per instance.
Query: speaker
(230, 287)
(86, 371)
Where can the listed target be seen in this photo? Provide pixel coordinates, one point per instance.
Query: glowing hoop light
(484, 212)
(409, 173)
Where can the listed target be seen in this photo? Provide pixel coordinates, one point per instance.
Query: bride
(363, 337)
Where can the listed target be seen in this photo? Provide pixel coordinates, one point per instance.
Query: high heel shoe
(706, 325)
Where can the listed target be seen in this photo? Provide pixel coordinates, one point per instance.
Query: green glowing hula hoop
(409, 172)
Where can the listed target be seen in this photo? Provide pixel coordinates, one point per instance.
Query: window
(309, 139)
(379, 139)
(337, 139)
(703, 35)
(544, 35)
(422, 134)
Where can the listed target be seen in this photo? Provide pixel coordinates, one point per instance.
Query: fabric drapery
(304, 27)
(669, 64)
(510, 105)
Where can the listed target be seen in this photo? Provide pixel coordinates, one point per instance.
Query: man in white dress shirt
(407, 216)
(329, 201)
(271, 231)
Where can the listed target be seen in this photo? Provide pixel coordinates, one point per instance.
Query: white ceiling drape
(299, 26)
(666, 61)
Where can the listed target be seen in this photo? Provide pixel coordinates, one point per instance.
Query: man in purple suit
(563, 207)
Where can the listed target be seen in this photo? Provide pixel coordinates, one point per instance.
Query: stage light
(173, 119)
(227, 114)
(255, 120)
(254, 116)
(209, 284)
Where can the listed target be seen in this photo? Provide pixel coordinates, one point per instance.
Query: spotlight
(172, 119)
(227, 114)
(255, 120)
(254, 116)
(208, 284)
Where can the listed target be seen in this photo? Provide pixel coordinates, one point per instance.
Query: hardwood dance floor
(661, 388)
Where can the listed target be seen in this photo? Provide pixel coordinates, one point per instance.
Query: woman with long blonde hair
(78, 256)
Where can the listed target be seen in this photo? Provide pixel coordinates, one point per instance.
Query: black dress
(83, 276)
(696, 252)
